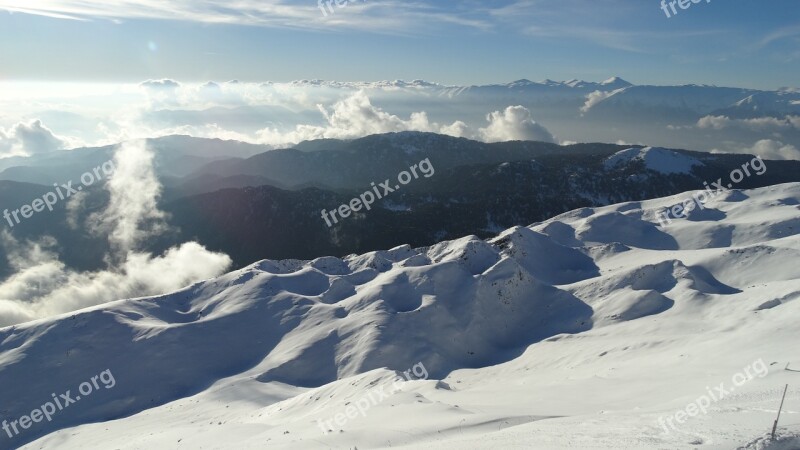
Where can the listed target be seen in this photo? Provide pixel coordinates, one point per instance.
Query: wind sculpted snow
(508, 329)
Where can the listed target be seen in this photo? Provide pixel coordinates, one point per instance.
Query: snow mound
(658, 159)
(598, 319)
(546, 259)
(616, 227)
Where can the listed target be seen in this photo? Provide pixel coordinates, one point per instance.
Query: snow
(655, 158)
(579, 332)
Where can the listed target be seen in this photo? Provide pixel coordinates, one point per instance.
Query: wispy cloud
(614, 24)
(386, 16)
(42, 285)
(779, 34)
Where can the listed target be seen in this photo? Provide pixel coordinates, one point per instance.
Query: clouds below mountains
(514, 124)
(42, 285)
(704, 118)
(356, 117)
(28, 138)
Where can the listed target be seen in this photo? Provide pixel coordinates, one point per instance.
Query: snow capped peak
(658, 159)
(520, 83)
(615, 83)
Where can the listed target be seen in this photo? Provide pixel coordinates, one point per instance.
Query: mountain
(536, 181)
(694, 99)
(588, 329)
(777, 104)
(175, 156)
(355, 164)
(255, 209)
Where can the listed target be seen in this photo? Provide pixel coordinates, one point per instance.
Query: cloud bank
(355, 117)
(42, 286)
(514, 124)
(29, 138)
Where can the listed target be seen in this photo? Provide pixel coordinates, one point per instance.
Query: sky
(743, 43)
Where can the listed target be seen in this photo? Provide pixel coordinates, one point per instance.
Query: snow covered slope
(655, 158)
(578, 332)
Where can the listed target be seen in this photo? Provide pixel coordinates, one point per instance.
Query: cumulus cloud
(769, 149)
(161, 93)
(281, 114)
(457, 129)
(42, 285)
(514, 124)
(28, 138)
(354, 117)
(164, 85)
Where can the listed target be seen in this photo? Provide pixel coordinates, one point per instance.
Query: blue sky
(743, 43)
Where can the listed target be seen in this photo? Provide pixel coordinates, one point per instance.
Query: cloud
(769, 149)
(613, 24)
(777, 35)
(514, 124)
(355, 117)
(596, 97)
(165, 85)
(28, 138)
(457, 129)
(132, 213)
(42, 285)
(161, 93)
(386, 16)
(760, 124)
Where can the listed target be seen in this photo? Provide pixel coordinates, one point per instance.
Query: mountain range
(268, 205)
(585, 330)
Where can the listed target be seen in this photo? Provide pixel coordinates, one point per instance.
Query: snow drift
(578, 332)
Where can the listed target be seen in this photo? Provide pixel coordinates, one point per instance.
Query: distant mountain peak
(658, 159)
(615, 81)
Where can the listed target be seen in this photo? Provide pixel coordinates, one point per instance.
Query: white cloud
(457, 129)
(385, 16)
(514, 124)
(160, 85)
(132, 213)
(42, 285)
(760, 124)
(28, 138)
(596, 97)
(355, 117)
(769, 149)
